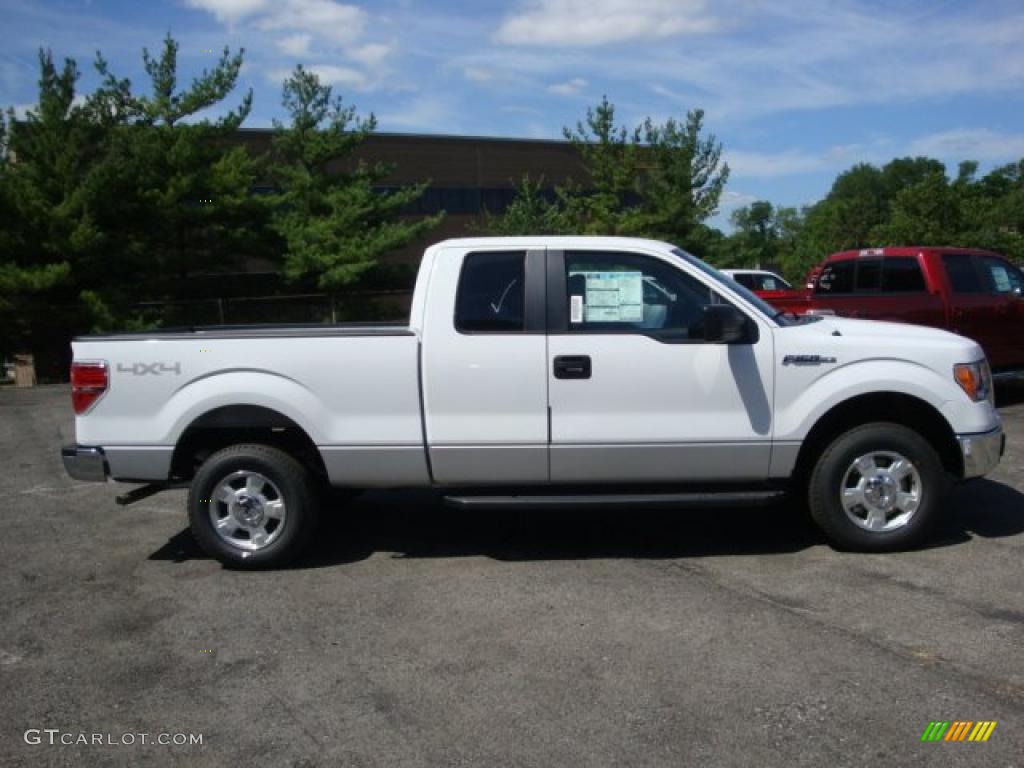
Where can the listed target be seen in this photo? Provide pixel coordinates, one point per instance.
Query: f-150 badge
(806, 360)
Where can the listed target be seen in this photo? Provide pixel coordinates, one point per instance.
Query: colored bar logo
(958, 730)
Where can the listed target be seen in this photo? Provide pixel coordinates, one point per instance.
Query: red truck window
(962, 275)
(902, 274)
(869, 275)
(837, 277)
(1000, 276)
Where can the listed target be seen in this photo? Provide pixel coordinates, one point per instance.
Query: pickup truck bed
(311, 375)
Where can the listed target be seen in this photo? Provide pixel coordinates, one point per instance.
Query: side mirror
(724, 324)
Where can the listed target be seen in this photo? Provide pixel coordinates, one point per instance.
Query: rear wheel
(252, 506)
(877, 488)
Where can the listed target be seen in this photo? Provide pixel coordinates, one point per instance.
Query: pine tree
(334, 223)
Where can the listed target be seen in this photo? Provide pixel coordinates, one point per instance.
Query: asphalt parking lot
(417, 635)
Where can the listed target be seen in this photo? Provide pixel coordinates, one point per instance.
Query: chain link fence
(376, 306)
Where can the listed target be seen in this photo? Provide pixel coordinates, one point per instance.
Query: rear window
(869, 275)
(491, 293)
(902, 275)
(837, 277)
(962, 274)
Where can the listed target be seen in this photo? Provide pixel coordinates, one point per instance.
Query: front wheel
(877, 488)
(252, 506)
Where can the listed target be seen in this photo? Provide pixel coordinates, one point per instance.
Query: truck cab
(970, 292)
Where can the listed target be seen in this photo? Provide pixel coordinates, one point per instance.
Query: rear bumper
(981, 452)
(83, 462)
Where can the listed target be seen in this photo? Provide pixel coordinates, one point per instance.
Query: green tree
(755, 237)
(608, 201)
(656, 180)
(531, 212)
(332, 220)
(46, 221)
(177, 193)
(681, 180)
(925, 213)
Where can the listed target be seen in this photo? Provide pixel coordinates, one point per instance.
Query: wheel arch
(894, 407)
(227, 425)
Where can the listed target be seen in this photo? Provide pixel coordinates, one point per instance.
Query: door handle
(572, 367)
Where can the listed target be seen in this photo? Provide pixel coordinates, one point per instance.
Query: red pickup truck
(971, 292)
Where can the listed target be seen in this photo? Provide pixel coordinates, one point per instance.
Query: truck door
(1004, 284)
(974, 311)
(635, 392)
(483, 357)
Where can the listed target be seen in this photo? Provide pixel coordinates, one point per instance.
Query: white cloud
(477, 74)
(970, 144)
(371, 54)
(793, 162)
(229, 11)
(599, 22)
(342, 24)
(329, 74)
(434, 113)
(730, 199)
(331, 31)
(569, 88)
(790, 162)
(295, 45)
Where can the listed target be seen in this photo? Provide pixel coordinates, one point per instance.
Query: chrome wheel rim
(881, 491)
(247, 510)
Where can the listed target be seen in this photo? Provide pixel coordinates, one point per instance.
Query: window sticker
(1001, 279)
(612, 297)
(575, 309)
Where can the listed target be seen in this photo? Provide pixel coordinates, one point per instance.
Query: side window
(627, 292)
(1000, 276)
(836, 277)
(745, 279)
(962, 275)
(902, 274)
(869, 275)
(490, 296)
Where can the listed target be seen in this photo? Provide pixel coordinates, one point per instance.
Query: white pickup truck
(543, 371)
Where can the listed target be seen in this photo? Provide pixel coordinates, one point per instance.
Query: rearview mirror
(724, 324)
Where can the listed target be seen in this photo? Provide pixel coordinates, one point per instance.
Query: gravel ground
(417, 635)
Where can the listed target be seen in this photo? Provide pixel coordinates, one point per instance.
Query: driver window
(617, 292)
(1000, 276)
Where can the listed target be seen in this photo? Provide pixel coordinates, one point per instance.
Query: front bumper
(83, 462)
(981, 453)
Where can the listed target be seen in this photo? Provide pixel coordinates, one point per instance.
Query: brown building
(468, 175)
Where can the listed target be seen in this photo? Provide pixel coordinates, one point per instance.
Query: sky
(796, 91)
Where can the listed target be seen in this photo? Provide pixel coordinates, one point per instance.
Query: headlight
(975, 379)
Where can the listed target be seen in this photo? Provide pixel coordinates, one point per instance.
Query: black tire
(288, 479)
(828, 477)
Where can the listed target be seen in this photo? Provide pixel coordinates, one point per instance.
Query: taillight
(88, 383)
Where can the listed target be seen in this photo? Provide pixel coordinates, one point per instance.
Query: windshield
(752, 298)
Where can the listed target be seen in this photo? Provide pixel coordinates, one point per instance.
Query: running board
(675, 500)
